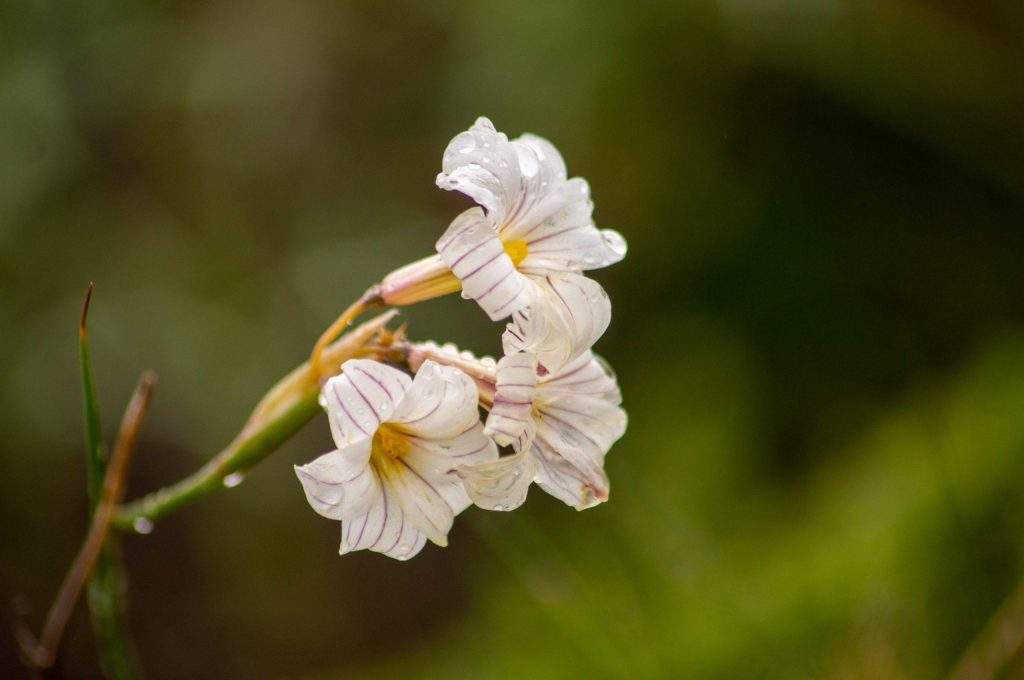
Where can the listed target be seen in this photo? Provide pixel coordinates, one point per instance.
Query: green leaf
(108, 585)
(95, 449)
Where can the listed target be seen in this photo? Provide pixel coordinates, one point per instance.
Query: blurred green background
(819, 329)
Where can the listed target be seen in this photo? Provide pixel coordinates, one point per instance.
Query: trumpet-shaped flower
(532, 220)
(391, 481)
(566, 420)
(521, 252)
(560, 424)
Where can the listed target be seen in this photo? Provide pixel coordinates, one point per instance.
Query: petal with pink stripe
(361, 398)
(569, 475)
(384, 528)
(340, 484)
(588, 374)
(441, 403)
(510, 421)
(500, 484)
(472, 250)
(423, 503)
(482, 164)
(568, 314)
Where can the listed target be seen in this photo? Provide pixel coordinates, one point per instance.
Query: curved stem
(282, 412)
(240, 454)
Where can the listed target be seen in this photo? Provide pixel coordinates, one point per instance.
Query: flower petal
(423, 503)
(384, 528)
(441, 403)
(584, 423)
(572, 249)
(569, 475)
(567, 315)
(484, 165)
(510, 420)
(436, 462)
(522, 186)
(471, 446)
(361, 398)
(551, 167)
(579, 420)
(559, 233)
(499, 484)
(340, 484)
(472, 250)
(588, 374)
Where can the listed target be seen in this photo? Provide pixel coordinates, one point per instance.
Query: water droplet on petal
(142, 525)
(463, 143)
(233, 480)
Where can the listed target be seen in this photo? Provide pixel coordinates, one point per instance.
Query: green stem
(283, 411)
(240, 455)
(107, 597)
(108, 585)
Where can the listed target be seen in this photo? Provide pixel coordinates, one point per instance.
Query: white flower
(533, 221)
(566, 421)
(391, 481)
(560, 425)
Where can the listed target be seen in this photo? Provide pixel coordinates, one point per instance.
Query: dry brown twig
(40, 654)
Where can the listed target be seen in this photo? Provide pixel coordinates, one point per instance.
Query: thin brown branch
(41, 654)
(998, 644)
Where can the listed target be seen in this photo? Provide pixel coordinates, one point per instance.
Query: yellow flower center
(516, 250)
(388, 444)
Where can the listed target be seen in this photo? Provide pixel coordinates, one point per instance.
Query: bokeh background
(819, 329)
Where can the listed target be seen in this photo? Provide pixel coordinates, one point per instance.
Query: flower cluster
(412, 452)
